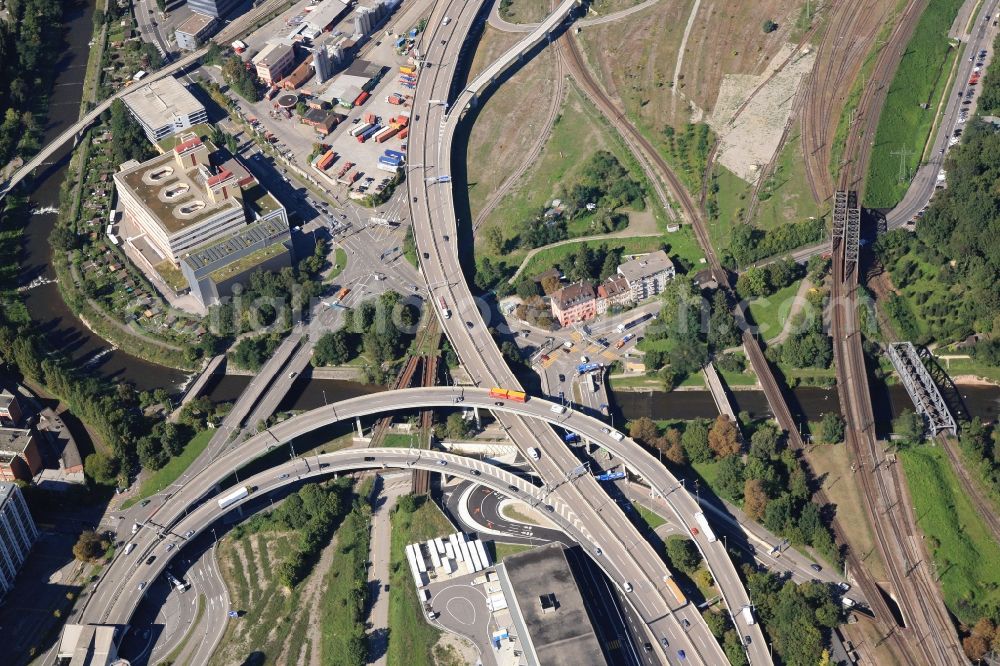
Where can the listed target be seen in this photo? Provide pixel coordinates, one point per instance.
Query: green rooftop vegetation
(246, 263)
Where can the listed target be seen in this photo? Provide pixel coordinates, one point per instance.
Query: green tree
(456, 427)
(909, 427)
(695, 442)
(764, 441)
(722, 330)
(831, 428)
(101, 468)
(729, 481)
(683, 554)
(332, 349)
(493, 235)
(89, 546)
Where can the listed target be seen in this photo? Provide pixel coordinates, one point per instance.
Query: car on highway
(142, 586)
(815, 567)
(562, 377)
(598, 551)
(189, 534)
(498, 403)
(681, 655)
(648, 647)
(144, 502)
(512, 488)
(369, 458)
(476, 472)
(628, 586)
(170, 546)
(664, 642)
(534, 453)
(283, 476)
(469, 324)
(442, 462)
(150, 559)
(746, 640)
(293, 375)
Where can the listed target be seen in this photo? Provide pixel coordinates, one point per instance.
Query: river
(45, 304)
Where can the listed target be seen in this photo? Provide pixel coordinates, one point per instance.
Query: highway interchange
(578, 506)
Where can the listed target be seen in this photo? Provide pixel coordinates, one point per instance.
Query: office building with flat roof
(20, 458)
(178, 201)
(547, 609)
(194, 31)
(216, 8)
(274, 62)
(212, 270)
(17, 534)
(165, 107)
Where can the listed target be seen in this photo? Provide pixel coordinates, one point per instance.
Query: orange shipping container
(402, 134)
(385, 136)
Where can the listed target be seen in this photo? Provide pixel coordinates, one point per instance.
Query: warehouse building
(17, 534)
(194, 31)
(165, 107)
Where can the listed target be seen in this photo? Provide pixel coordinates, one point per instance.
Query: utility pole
(903, 153)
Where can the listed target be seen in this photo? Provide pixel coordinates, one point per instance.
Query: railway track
(848, 39)
(421, 477)
(753, 350)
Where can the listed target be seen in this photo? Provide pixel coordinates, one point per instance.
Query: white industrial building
(165, 107)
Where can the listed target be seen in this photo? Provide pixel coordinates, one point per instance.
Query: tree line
(30, 46)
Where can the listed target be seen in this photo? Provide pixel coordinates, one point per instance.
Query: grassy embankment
(170, 472)
(911, 105)
(964, 552)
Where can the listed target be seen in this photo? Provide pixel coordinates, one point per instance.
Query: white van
(534, 453)
(447, 20)
(557, 409)
(617, 436)
(129, 548)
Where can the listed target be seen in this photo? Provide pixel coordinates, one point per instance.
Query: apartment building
(274, 62)
(20, 458)
(613, 292)
(10, 410)
(574, 303)
(648, 275)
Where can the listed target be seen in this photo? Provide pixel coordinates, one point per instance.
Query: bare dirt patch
(752, 140)
(728, 38)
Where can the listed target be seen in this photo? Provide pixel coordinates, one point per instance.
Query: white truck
(747, 614)
(234, 497)
(129, 547)
(705, 527)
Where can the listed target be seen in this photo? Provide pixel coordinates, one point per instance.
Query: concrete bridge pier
(361, 431)
(479, 420)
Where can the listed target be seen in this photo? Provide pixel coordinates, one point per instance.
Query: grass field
(502, 550)
(832, 469)
(732, 199)
(964, 552)
(339, 264)
(578, 133)
(411, 640)
(904, 122)
(515, 513)
(270, 608)
(170, 472)
(342, 604)
(401, 440)
(770, 313)
(969, 366)
(745, 378)
(651, 518)
(785, 196)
